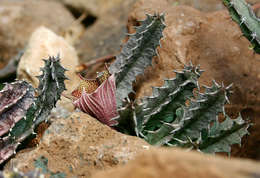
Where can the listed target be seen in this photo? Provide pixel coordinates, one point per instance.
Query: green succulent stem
(243, 14)
(137, 54)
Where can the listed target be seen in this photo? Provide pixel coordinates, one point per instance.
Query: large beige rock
(78, 145)
(176, 163)
(19, 18)
(215, 42)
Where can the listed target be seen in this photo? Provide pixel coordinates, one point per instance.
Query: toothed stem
(137, 54)
(243, 14)
(165, 118)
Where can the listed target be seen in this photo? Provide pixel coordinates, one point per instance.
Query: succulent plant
(243, 14)
(165, 118)
(1, 86)
(22, 107)
(137, 54)
(97, 96)
(177, 114)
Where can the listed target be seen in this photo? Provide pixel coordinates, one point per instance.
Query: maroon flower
(98, 98)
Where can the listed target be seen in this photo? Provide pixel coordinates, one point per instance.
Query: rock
(96, 8)
(106, 35)
(177, 163)
(78, 145)
(42, 44)
(252, 1)
(215, 42)
(19, 18)
(203, 5)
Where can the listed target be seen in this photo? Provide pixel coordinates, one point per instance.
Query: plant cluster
(177, 113)
(23, 108)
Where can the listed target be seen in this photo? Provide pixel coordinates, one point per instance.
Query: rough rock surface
(176, 163)
(78, 145)
(202, 5)
(19, 18)
(94, 7)
(205, 5)
(105, 36)
(215, 42)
